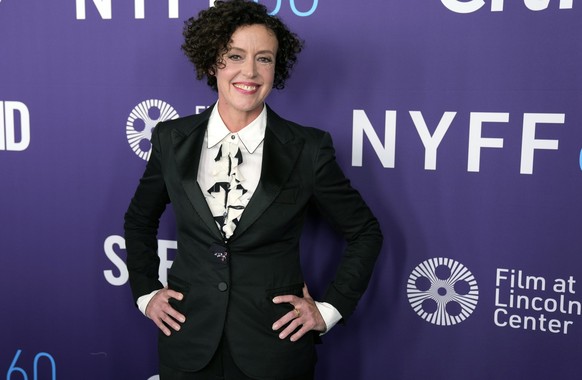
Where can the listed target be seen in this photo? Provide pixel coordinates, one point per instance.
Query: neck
(237, 121)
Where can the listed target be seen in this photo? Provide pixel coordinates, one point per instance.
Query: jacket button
(222, 286)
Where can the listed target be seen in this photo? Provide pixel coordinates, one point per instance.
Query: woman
(241, 180)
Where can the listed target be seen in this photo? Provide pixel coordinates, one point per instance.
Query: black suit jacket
(233, 297)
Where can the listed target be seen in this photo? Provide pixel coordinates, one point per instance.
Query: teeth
(245, 87)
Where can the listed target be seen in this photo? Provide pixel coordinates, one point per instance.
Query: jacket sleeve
(142, 220)
(348, 213)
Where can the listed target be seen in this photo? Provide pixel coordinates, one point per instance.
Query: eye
(265, 59)
(234, 57)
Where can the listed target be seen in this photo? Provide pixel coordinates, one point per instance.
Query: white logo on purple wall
(470, 6)
(14, 126)
(442, 291)
(142, 119)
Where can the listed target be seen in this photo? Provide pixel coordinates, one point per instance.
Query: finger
(292, 326)
(162, 327)
(163, 314)
(299, 334)
(171, 322)
(157, 304)
(288, 298)
(170, 315)
(174, 294)
(175, 314)
(165, 321)
(284, 320)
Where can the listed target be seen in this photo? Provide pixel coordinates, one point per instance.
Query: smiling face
(246, 75)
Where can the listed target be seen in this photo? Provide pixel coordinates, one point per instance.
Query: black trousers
(220, 367)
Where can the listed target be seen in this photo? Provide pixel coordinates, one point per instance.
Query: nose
(250, 68)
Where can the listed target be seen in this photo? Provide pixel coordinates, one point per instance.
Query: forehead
(256, 35)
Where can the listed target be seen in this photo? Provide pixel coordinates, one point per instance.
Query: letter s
(116, 260)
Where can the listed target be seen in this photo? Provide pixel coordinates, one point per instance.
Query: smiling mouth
(245, 87)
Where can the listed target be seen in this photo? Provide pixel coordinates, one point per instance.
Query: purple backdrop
(459, 121)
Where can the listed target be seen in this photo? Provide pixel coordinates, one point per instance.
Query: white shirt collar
(251, 136)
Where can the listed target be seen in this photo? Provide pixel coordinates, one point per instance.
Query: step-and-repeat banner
(460, 121)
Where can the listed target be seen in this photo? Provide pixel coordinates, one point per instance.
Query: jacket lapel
(280, 154)
(188, 143)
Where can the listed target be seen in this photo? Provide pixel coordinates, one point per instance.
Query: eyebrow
(266, 51)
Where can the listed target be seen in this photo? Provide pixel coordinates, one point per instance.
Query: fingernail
(274, 327)
(275, 300)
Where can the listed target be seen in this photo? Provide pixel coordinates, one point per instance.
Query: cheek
(224, 75)
(269, 74)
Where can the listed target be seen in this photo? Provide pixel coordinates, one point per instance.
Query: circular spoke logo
(442, 291)
(142, 120)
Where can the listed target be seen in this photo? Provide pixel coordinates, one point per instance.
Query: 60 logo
(297, 12)
(19, 373)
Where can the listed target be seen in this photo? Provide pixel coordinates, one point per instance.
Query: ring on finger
(297, 313)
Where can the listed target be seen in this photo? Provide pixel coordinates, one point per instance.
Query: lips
(246, 87)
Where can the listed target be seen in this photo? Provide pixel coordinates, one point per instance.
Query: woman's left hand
(305, 314)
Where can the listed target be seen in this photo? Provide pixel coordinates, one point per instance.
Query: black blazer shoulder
(186, 124)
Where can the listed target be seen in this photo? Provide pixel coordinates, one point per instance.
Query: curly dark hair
(208, 37)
